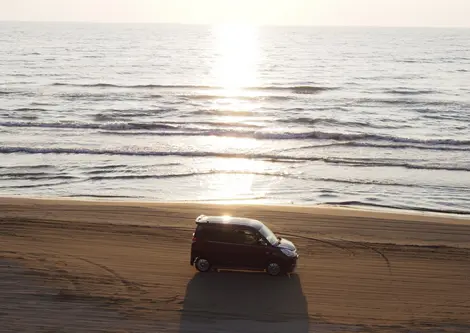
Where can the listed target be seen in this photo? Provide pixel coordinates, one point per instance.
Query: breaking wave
(398, 206)
(382, 146)
(408, 91)
(149, 129)
(293, 89)
(190, 174)
(267, 157)
(331, 121)
(317, 135)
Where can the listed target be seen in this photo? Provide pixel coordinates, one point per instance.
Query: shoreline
(355, 208)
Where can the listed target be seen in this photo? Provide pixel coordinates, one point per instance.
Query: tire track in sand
(321, 241)
(131, 286)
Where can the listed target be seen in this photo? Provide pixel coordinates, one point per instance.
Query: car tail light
(194, 239)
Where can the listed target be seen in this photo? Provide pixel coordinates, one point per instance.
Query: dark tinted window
(214, 233)
(199, 231)
(246, 236)
(227, 234)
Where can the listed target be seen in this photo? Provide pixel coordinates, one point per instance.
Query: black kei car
(240, 243)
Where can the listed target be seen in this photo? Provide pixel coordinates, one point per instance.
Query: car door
(223, 247)
(250, 253)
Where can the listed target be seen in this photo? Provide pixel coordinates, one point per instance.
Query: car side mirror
(262, 242)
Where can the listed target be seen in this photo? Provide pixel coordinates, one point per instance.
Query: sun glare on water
(234, 72)
(237, 51)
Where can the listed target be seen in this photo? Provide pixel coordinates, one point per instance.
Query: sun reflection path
(237, 51)
(235, 73)
(235, 69)
(235, 180)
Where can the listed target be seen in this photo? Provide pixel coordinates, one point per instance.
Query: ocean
(362, 117)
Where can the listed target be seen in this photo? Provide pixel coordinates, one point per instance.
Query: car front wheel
(202, 265)
(273, 269)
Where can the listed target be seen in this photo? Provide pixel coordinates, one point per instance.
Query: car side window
(245, 236)
(218, 234)
(227, 234)
(212, 234)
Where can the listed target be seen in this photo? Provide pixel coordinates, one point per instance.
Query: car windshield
(269, 235)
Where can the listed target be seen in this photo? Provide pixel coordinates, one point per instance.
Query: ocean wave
(441, 117)
(191, 174)
(122, 115)
(309, 89)
(26, 117)
(37, 166)
(97, 172)
(220, 124)
(293, 89)
(212, 124)
(107, 166)
(389, 183)
(122, 128)
(372, 162)
(111, 123)
(367, 182)
(107, 126)
(402, 101)
(237, 97)
(106, 117)
(354, 162)
(23, 174)
(106, 169)
(38, 185)
(94, 97)
(331, 121)
(398, 206)
(273, 98)
(85, 151)
(417, 61)
(232, 113)
(29, 109)
(380, 146)
(33, 176)
(41, 104)
(318, 135)
(404, 146)
(408, 91)
(137, 86)
(104, 196)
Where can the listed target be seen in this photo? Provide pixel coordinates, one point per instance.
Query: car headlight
(289, 253)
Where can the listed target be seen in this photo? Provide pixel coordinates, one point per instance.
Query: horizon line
(239, 23)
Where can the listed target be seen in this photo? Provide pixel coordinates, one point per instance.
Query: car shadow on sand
(244, 302)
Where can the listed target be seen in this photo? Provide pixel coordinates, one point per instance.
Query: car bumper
(291, 265)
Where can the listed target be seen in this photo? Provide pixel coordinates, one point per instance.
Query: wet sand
(77, 266)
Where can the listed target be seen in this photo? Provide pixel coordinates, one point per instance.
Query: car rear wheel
(202, 265)
(273, 269)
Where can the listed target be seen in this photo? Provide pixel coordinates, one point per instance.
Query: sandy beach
(78, 266)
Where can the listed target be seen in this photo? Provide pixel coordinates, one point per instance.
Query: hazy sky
(278, 12)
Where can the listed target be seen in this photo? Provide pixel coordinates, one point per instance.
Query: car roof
(241, 221)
